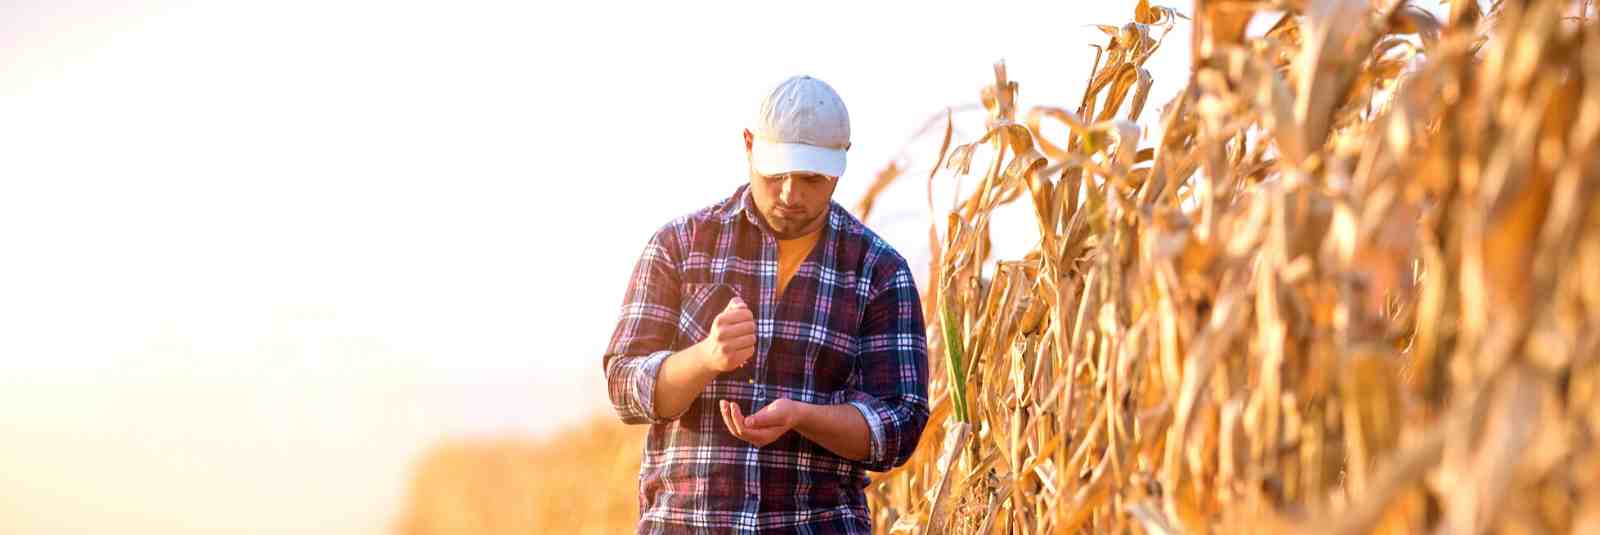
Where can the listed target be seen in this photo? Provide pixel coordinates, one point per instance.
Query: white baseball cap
(802, 126)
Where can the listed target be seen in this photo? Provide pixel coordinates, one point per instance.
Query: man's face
(793, 204)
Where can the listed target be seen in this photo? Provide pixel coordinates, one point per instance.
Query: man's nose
(788, 193)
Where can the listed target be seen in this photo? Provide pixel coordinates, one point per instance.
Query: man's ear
(749, 140)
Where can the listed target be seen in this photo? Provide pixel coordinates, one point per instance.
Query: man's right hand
(732, 339)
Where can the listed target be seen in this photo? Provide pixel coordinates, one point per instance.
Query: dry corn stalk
(1354, 287)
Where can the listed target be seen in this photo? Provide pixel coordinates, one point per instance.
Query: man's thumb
(735, 302)
(761, 418)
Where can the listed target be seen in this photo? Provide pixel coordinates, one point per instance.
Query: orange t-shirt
(791, 253)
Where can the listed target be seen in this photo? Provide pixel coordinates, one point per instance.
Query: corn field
(1352, 285)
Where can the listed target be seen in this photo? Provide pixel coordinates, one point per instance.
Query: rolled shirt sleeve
(645, 332)
(891, 380)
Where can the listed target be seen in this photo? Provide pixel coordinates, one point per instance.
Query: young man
(774, 344)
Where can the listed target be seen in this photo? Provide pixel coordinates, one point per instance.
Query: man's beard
(792, 228)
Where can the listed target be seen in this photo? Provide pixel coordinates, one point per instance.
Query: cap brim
(779, 158)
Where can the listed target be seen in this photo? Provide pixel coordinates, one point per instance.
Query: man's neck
(809, 235)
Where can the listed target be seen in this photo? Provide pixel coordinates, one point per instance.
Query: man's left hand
(766, 425)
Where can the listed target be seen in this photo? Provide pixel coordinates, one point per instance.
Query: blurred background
(311, 267)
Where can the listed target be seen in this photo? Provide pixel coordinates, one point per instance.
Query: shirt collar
(742, 204)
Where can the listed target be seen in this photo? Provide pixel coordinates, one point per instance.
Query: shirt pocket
(835, 366)
(701, 303)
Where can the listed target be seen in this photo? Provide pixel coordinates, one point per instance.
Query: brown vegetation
(580, 481)
(1353, 287)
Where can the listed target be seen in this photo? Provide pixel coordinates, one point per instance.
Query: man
(774, 344)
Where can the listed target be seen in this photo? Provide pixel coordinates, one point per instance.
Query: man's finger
(762, 418)
(736, 302)
(727, 417)
(742, 342)
(734, 317)
(738, 419)
(739, 329)
(738, 315)
(727, 420)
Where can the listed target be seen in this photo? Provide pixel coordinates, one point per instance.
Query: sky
(263, 253)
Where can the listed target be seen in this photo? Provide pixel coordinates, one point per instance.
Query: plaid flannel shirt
(847, 330)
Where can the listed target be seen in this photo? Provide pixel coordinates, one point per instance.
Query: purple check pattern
(847, 330)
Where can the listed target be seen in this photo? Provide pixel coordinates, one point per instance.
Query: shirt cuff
(644, 387)
(874, 424)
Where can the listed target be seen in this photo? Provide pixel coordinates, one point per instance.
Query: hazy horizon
(261, 256)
